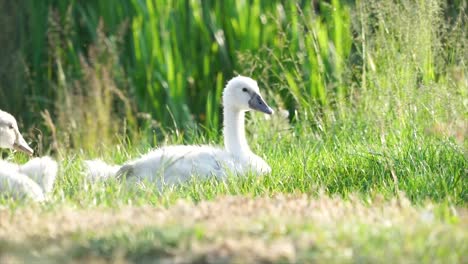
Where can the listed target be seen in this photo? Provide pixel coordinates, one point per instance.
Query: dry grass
(230, 229)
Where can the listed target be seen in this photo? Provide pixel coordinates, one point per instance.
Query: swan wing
(174, 164)
(99, 170)
(41, 170)
(19, 185)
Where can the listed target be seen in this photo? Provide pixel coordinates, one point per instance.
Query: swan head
(242, 94)
(10, 137)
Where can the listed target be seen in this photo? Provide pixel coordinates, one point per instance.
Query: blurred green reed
(172, 58)
(99, 67)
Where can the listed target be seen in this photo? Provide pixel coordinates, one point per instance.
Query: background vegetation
(376, 93)
(170, 59)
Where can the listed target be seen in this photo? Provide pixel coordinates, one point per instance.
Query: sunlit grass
(369, 167)
(172, 58)
(234, 228)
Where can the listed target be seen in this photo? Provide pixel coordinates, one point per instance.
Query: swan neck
(234, 132)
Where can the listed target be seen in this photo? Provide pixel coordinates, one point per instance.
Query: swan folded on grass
(171, 165)
(34, 179)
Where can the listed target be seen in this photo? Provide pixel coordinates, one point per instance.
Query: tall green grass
(376, 90)
(377, 100)
(172, 58)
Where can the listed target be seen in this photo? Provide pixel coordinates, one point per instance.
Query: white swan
(174, 164)
(34, 179)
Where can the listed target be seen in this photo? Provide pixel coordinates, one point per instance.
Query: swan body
(171, 165)
(33, 179)
(18, 185)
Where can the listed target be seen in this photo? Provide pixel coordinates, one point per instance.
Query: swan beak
(21, 145)
(257, 103)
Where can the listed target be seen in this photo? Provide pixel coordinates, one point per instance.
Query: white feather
(99, 170)
(18, 185)
(175, 164)
(42, 170)
(34, 179)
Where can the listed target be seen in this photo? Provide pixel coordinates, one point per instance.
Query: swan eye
(10, 126)
(244, 89)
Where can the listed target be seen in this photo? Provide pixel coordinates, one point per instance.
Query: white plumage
(174, 164)
(34, 179)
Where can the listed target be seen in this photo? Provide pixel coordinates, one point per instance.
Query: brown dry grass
(228, 229)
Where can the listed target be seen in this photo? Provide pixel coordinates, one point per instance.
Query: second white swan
(34, 179)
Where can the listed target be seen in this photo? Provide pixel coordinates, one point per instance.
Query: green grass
(352, 157)
(166, 58)
(420, 217)
(370, 166)
(293, 228)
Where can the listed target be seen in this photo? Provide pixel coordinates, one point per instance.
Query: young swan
(34, 179)
(174, 164)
